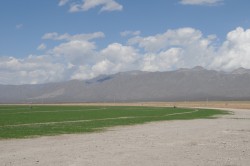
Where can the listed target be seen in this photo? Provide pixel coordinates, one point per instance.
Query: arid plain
(221, 141)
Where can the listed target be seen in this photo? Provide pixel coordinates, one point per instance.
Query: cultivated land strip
(78, 110)
(207, 142)
(102, 119)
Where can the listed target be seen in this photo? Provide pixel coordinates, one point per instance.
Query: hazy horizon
(132, 71)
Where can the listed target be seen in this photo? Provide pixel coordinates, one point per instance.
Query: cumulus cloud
(112, 59)
(201, 2)
(119, 53)
(122, 57)
(30, 70)
(67, 60)
(85, 5)
(162, 61)
(76, 49)
(183, 47)
(182, 37)
(81, 72)
(78, 57)
(235, 51)
(76, 52)
(42, 47)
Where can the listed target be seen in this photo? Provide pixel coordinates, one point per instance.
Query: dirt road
(207, 142)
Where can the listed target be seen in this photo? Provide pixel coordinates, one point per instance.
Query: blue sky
(57, 40)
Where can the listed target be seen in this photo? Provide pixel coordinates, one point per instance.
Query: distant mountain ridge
(196, 84)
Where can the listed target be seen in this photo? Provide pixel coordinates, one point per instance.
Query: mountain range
(195, 84)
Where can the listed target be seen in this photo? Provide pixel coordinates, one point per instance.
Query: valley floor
(207, 142)
(209, 104)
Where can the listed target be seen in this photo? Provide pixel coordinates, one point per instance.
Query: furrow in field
(77, 121)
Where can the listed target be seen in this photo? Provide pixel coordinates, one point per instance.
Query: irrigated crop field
(32, 121)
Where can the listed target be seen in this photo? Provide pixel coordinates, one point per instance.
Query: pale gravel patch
(205, 142)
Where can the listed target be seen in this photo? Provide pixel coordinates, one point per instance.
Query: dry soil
(205, 142)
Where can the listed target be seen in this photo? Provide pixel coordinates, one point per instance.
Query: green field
(26, 121)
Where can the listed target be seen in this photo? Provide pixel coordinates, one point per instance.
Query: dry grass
(214, 104)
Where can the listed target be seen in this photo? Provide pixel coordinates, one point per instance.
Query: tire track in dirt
(103, 119)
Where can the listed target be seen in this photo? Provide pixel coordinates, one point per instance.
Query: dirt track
(212, 142)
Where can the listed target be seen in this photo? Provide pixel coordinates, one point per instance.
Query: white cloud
(130, 33)
(104, 66)
(42, 47)
(65, 61)
(112, 59)
(30, 70)
(121, 58)
(183, 47)
(235, 51)
(201, 2)
(75, 52)
(106, 5)
(52, 35)
(76, 57)
(163, 61)
(183, 37)
(82, 72)
(119, 53)
(62, 2)
(66, 36)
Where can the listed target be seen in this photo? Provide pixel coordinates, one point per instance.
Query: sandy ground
(217, 104)
(210, 142)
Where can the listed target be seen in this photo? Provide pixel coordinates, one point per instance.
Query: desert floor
(205, 142)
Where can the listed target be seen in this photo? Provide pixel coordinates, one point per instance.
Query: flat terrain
(184, 104)
(32, 121)
(208, 142)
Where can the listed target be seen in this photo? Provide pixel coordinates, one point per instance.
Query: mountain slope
(180, 85)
